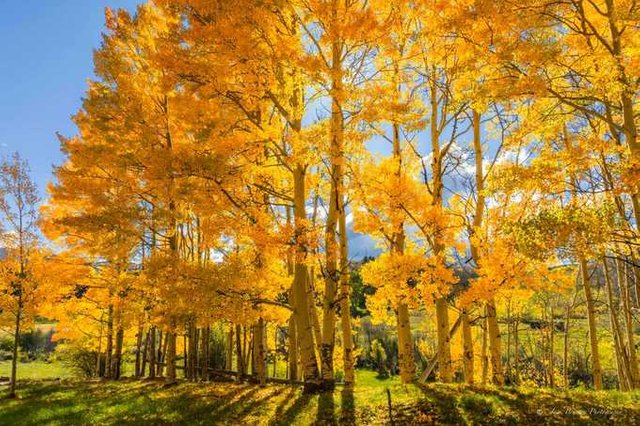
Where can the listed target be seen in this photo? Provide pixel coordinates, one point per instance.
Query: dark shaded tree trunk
(109, 350)
(152, 353)
(117, 356)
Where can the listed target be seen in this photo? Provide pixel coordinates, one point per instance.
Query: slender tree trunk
(508, 364)
(292, 338)
(544, 353)
(144, 355)
(565, 357)
(99, 357)
(345, 306)
(467, 342)
(117, 357)
(405, 345)
(248, 357)
(259, 353)
(305, 333)
(495, 347)
(625, 296)
(172, 232)
(193, 350)
(186, 355)
(552, 381)
(293, 350)
(335, 200)
(16, 341)
(152, 353)
(313, 311)
(622, 361)
(406, 360)
(591, 317)
(445, 371)
(107, 367)
(636, 277)
(516, 351)
(229, 362)
(240, 365)
(171, 357)
(275, 351)
(491, 336)
(196, 360)
(160, 354)
(139, 353)
(485, 358)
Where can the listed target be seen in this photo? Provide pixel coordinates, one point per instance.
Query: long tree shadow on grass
(294, 409)
(438, 405)
(214, 410)
(75, 403)
(453, 405)
(557, 407)
(347, 407)
(255, 405)
(326, 409)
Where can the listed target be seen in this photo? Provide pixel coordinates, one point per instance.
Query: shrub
(81, 360)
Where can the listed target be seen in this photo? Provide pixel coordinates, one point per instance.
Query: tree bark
(162, 352)
(139, 353)
(591, 317)
(467, 342)
(16, 340)
(622, 361)
(625, 296)
(116, 361)
(485, 358)
(171, 357)
(144, 355)
(516, 350)
(345, 306)
(332, 274)
(552, 381)
(405, 345)
(305, 333)
(109, 350)
(152, 353)
(565, 357)
(495, 346)
(259, 353)
(445, 371)
(240, 365)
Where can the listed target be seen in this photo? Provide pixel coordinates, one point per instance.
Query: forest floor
(137, 402)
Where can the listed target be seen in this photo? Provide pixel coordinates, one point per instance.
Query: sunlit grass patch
(135, 402)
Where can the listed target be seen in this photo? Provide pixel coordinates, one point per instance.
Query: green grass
(133, 402)
(36, 370)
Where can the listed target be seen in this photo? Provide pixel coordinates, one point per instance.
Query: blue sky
(46, 57)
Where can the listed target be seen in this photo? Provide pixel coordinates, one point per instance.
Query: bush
(6, 344)
(379, 356)
(6, 348)
(81, 360)
(37, 344)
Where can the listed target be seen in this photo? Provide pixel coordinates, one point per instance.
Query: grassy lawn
(36, 370)
(132, 402)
